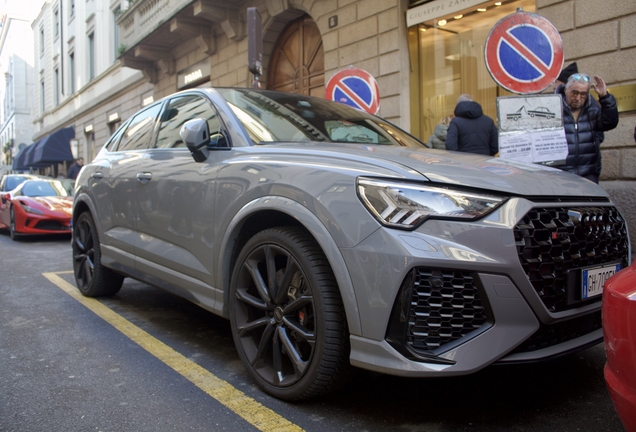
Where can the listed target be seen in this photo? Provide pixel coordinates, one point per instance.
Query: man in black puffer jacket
(471, 131)
(582, 120)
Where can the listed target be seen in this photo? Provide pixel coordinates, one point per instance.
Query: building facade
(16, 66)
(99, 61)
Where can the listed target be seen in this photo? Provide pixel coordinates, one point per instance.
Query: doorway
(298, 60)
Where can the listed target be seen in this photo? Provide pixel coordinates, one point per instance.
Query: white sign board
(531, 129)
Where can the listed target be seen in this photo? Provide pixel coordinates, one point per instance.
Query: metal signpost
(255, 45)
(356, 88)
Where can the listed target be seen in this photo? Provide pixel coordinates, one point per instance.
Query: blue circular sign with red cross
(524, 53)
(356, 88)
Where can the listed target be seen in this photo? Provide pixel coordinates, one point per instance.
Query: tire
(91, 277)
(295, 344)
(15, 236)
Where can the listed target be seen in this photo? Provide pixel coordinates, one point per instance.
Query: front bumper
(501, 314)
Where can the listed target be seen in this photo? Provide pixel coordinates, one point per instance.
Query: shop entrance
(447, 58)
(298, 62)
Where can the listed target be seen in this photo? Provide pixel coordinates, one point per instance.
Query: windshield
(37, 188)
(14, 181)
(272, 116)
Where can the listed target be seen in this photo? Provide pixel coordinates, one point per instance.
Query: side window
(111, 145)
(180, 110)
(138, 133)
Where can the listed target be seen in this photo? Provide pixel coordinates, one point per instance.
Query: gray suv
(331, 238)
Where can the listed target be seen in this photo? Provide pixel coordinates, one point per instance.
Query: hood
(468, 109)
(447, 168)
(51, 203)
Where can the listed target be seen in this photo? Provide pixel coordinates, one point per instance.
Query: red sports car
(619, 329)
(37, 207)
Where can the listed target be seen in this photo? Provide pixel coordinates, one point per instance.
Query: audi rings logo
(594, 223)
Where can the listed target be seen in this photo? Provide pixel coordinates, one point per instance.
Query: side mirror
(5, 198)
(196, 135)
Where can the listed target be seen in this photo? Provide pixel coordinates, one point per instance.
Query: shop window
(447, 55)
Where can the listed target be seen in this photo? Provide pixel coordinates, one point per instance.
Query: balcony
(153, 33)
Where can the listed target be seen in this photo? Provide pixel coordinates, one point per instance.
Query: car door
(113, 176)
(176, 199)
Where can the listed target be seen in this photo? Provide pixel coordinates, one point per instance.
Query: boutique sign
(194, 74)
(436, 9)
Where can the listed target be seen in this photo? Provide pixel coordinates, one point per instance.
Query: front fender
(313, 225)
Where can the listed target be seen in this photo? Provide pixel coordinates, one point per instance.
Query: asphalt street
(154, 362)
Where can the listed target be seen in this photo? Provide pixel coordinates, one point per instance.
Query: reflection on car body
(331, 238)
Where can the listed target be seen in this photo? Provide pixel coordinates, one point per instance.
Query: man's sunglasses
(581, 77)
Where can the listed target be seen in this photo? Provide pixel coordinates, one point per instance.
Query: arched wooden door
(298, 61)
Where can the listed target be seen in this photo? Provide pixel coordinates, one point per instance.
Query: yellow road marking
(259, 416)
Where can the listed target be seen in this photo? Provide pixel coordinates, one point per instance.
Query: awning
(54, 148)
(18, 161)
(24, 159)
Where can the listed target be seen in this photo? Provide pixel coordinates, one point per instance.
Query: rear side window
(138, 133)
(112, 143)
(178, 111)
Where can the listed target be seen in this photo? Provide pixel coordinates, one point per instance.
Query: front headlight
(406, 205)
(29, 209)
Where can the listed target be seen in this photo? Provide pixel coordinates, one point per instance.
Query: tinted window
(139, 130)
(271, 116)
(179, 111)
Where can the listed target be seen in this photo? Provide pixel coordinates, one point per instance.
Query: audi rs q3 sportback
(330, 238)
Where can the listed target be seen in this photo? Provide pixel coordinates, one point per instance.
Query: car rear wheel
(12, 227)
(287, 316)
(91, 277)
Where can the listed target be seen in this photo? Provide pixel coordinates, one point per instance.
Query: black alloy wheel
(91, 277)
(287, 316)
(12, 228)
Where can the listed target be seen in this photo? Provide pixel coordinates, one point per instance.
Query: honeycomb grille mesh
(551, 241)
(445, 306)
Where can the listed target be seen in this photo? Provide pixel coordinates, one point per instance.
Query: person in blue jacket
(583, 119)
(74, 169)
(471, 131)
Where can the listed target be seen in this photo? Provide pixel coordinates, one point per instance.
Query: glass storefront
(447, 60)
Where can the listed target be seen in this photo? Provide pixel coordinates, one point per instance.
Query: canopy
(18, 161)
(52, 149)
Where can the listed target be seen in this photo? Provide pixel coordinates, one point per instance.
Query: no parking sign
(524, 53)
(356, 88)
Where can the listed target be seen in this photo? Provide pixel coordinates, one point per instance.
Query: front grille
(554, 334)
(552, 241)
(434, 308)
(51, 225)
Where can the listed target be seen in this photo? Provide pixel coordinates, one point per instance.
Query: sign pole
(255, 45)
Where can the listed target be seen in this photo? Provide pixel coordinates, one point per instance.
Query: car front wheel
(12, 226)
(287, 316)
(91, 277)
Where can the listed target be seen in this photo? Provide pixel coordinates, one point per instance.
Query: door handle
(97, 175)
(144, 177)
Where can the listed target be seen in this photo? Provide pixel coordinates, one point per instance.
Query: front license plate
(593, 279)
